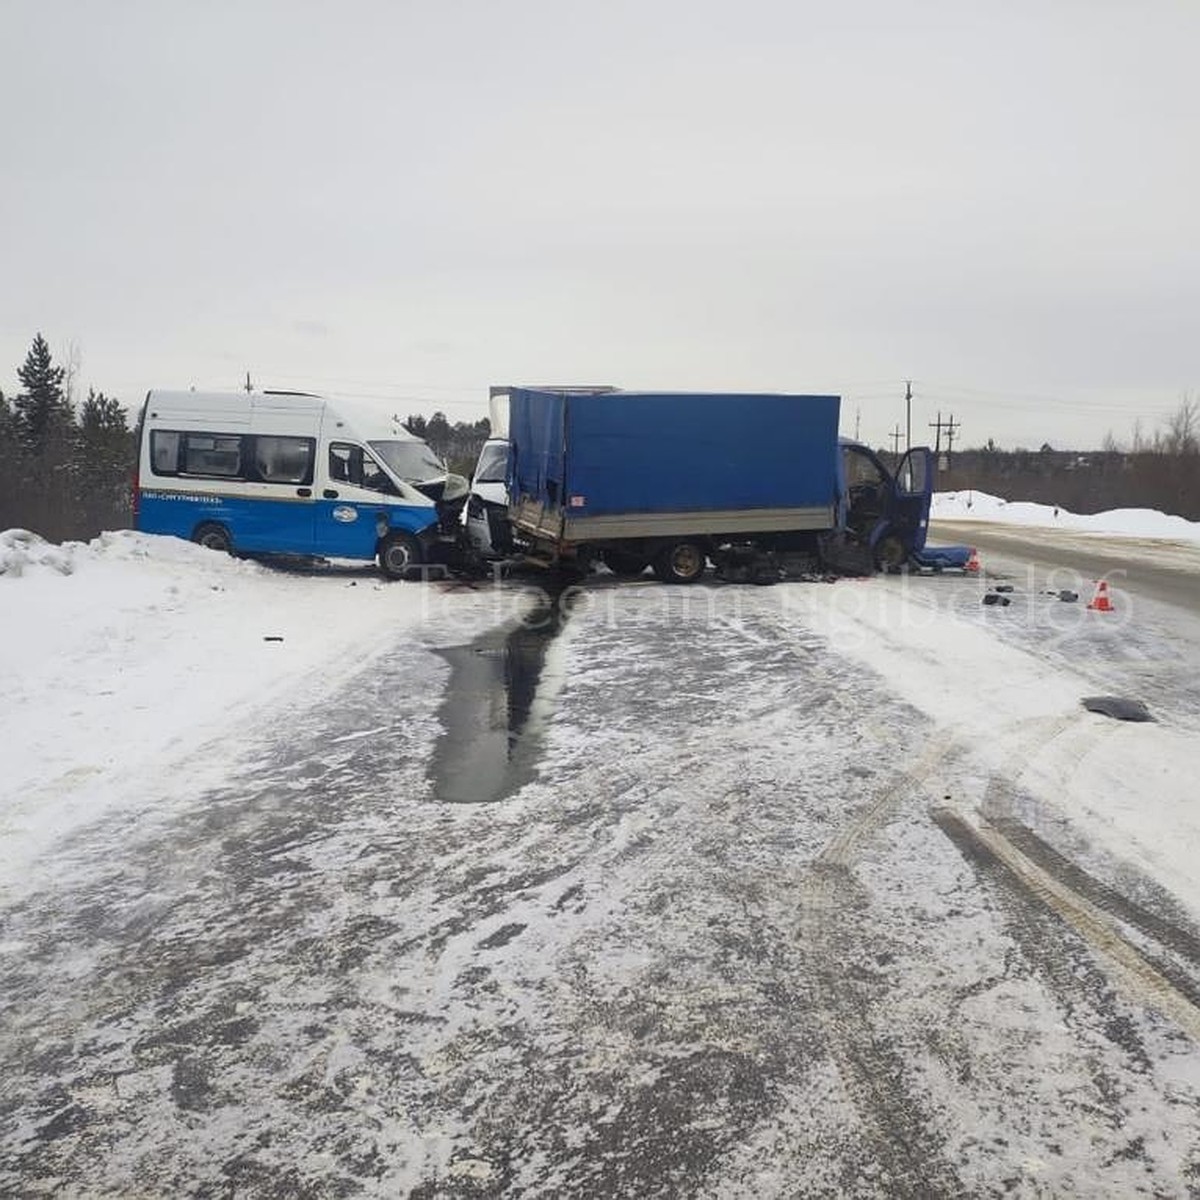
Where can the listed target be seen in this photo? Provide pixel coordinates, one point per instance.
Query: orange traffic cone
(972, 566)
(1100, 601)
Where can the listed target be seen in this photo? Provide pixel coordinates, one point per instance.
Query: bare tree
(72, 360)
(1183, 426)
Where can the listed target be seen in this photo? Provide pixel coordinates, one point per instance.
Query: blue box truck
(671, 480)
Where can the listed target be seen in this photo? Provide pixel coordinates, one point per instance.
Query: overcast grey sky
(412, 200)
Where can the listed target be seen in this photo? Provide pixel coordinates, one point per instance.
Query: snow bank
(134, 660)
(20, 549)
(1118, 522)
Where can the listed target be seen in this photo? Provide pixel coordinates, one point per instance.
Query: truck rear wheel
(213, 537)
(680, 562)
(397, 553)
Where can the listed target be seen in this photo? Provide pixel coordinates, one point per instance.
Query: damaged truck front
(760, 484)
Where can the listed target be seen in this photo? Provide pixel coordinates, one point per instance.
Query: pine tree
(7, 423)
(10, 465)
(42, 412)
(102, 416)
(102, 464)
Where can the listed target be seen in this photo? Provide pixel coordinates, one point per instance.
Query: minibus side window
(212, 454)
(341, 462)
(375, 477)
(351, 464)
(284, 459)
(164, 452)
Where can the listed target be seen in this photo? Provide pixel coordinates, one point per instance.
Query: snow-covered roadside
(1119, 522)
(1009, 711)
(131, 665)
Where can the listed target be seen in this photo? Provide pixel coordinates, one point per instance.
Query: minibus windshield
(413, 462)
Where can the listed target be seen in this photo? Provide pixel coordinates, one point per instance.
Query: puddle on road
(497, 703)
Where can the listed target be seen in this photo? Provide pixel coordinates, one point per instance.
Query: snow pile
(20, 549)
(1119, 522)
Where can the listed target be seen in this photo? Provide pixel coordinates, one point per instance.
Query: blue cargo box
(597, 461)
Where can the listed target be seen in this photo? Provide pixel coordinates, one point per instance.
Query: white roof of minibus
(240, 404)
(360, 420)
(370, 424)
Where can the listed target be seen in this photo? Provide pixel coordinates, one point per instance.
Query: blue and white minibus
(288, 473)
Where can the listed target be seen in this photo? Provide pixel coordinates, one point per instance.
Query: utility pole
(951, 427)
(249, 385)
(857, 419)
(908, 415)
(895, 435)
(937, 425)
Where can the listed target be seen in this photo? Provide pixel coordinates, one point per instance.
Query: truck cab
(886, 513)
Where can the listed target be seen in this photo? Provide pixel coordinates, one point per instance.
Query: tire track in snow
(1142, 981)
(872, 1072)
(1101, 895)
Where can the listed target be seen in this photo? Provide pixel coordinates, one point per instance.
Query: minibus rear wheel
(214, 537)
(397, 553)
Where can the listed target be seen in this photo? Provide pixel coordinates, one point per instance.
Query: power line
(1011, 398)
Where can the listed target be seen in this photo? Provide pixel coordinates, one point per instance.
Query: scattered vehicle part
(941, 558)
(995, 598)
(1118, 707)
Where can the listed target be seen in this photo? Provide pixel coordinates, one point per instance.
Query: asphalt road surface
(1137, 565)
(738, 934)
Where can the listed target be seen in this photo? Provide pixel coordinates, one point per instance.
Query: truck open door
(912, 493)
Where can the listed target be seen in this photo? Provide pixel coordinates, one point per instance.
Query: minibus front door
(359, 504)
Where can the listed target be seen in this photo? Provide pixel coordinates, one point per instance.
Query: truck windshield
(413, 462)
(493, 463)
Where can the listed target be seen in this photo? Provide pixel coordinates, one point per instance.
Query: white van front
(485, 517)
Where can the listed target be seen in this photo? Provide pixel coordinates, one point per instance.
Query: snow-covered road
(821, 889)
